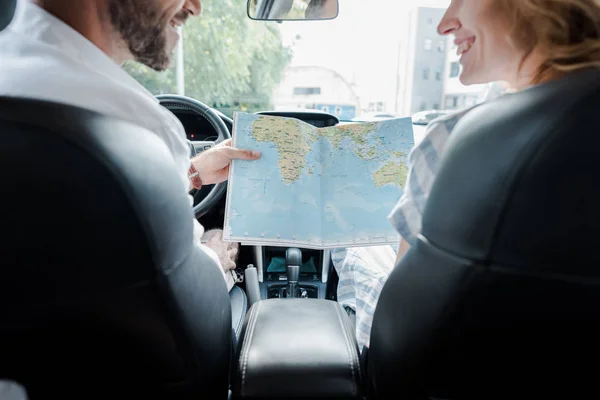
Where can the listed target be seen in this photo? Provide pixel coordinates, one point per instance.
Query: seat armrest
(297, 348)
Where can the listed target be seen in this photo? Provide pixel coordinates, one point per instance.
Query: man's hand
(213, 165)
(226, 251)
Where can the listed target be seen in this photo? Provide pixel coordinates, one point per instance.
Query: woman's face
(481, 38)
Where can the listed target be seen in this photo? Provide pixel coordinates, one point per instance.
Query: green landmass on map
(391, 173)
(358, 133)
(294, 140)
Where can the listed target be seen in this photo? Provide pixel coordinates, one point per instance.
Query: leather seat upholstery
(500, 297)
(297, 349)
(102, 292)
(239, 308)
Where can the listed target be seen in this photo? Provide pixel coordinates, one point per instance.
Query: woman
(522, 42)
(321, 9)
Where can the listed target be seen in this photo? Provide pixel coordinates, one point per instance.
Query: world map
(316, 187)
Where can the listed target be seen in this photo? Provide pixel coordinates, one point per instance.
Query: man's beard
(143, 30)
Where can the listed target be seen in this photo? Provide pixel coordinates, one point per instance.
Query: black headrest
(500, 296)
(7, 10)
(519, 184)
(101, 284)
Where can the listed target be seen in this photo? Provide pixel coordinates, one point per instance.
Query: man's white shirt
(43, 58)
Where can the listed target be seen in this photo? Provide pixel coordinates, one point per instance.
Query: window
(338, 111)
(301, 91)
(325, 109)
(428, 43)
(376, 106)
(438, 75)
(451, 102)
(470, 101)
(454, 69)
(441, 46)
(426, 73)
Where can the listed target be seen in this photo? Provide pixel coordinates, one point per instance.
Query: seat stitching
(245, 310)
(347, 341)
(246, 347)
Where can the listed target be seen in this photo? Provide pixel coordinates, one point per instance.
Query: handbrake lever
(252, 288)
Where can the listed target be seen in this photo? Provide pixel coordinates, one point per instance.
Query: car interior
(499, 301)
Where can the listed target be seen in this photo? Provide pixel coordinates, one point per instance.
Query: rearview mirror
(292, 10)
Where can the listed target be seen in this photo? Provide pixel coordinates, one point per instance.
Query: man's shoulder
(33, 70)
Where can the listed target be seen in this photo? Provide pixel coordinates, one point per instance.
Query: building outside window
(303, 91)
(454, 69)
(470, 101)
(451, 102)
(428, 43)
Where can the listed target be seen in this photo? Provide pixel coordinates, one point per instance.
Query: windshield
(378, 59)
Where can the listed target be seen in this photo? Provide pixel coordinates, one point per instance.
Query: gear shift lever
(293, 260)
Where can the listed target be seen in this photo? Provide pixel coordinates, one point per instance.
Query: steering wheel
(202, 203)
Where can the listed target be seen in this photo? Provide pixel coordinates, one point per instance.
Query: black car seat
(237, 296)
(500, 297)
(102, 292)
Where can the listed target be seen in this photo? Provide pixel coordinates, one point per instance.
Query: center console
(294, 342)
(297, 348)
(271, 265)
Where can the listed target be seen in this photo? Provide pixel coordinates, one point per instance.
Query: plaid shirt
(364, 270)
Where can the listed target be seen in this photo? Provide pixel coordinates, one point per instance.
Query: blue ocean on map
(334, 202)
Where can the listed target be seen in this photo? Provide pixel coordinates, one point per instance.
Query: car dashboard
(198, 128)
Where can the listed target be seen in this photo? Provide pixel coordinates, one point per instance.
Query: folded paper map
(316, 187)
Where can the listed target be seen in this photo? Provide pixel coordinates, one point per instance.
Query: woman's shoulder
(448, 121)
(436, 135)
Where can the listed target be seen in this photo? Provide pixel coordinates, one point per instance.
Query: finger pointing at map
(213, 165)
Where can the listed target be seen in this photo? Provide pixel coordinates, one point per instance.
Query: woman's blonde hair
(565, 33)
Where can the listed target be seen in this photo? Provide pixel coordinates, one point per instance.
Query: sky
(363, 43)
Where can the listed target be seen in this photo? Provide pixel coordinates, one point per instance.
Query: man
(71, 52)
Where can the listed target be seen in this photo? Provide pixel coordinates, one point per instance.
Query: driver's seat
(102, 292)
